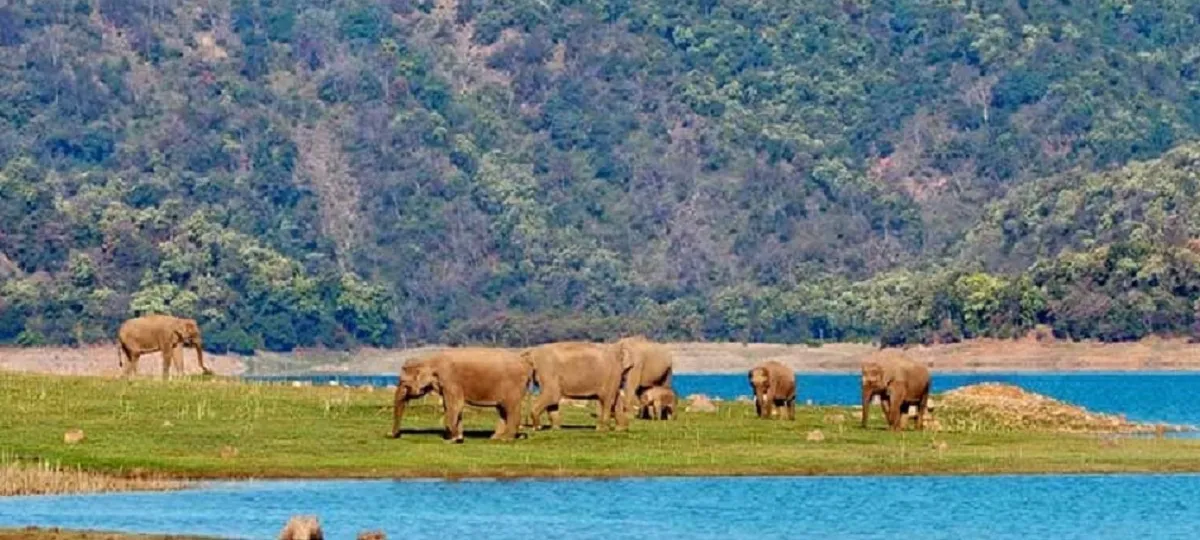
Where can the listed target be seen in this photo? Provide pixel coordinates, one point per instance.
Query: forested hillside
(386, 172)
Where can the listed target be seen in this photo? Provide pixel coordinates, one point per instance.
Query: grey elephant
(162, 333)
(774, 385)
(481, 377)
(899, 383)
(657, 403)
(651, 365)
(578, 370)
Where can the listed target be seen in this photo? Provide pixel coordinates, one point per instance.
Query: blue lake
(998, 507)
(1145, 396)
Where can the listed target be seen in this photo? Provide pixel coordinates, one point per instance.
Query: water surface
(1017, 507)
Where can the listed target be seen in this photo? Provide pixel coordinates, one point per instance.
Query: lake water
(1018, 507)
(1144, 396)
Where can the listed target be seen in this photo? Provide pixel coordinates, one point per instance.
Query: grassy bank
(38, 477)
(223, 429)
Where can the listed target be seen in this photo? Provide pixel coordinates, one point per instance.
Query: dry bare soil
(973, 356)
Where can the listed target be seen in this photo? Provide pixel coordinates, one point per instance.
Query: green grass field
(225, 429)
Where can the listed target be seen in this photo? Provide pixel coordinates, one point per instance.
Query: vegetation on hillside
(342, 172)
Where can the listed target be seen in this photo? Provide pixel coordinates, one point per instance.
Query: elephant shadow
(441, 433)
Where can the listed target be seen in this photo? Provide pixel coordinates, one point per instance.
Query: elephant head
(416, 380)
(760, 382)
(875, 380)
(187, 332)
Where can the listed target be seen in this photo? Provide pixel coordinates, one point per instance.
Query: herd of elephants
(632, 374)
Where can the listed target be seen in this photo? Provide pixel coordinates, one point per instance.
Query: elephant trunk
(200, 356)
(398, 410)
(866, 404)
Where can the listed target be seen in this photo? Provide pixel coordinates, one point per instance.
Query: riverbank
(209, 429)
(51, 533)
(975, 356)
(41, 477)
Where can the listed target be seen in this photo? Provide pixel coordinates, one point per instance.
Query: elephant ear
(625, 354)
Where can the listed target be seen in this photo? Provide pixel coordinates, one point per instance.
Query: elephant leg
(512, 411)
(549, 396)
(555, 416)
(791, 409)
(895, 410)
(866, 406)
(606, 406)
(922, 407)
(619, 412)
(130, 364)
(501, 424)
(453, 419)
(168, 356)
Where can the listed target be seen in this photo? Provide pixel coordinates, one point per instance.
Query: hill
(343, 172)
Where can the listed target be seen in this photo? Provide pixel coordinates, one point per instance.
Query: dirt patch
(1008, 407)
(102, 360)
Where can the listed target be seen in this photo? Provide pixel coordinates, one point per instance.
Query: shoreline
(981, 356)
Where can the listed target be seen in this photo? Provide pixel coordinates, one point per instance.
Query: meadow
(219, 428)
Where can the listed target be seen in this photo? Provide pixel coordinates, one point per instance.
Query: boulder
(75, 436)
(302, 528)
(700, 403)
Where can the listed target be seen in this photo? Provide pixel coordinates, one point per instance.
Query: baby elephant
(774, 385)
(658, 403)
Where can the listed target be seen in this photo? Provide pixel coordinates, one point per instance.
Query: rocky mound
(1003, 406)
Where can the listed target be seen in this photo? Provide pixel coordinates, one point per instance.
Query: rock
(297, 384)
(167, 423)
(372, 535)
(302, 528)
(700, 403)
(334, 383)
(228, 452)
(75, 436)
(940, 446)
(815, 436)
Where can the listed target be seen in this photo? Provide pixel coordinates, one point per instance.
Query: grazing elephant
(651, 366)
(658, 403)
(161, 333)
(774, 385)
(899, 382)
(469, 376)
(578, 370)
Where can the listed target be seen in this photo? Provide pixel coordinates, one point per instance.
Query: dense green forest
(390, 172)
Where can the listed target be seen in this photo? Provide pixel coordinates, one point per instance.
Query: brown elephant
(578, 370)
(774, 385)
(651, 366)
(162, 333)
(480, 377)
(658, 403)
(899, 382)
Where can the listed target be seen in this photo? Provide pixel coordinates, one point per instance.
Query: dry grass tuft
(1005, 407)
(45, 478)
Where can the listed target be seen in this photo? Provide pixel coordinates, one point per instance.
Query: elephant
(899, 382)
(658, 403)
(652, 366)
(578, 370)
(774, 385)
(161, 333)
(477, 376)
